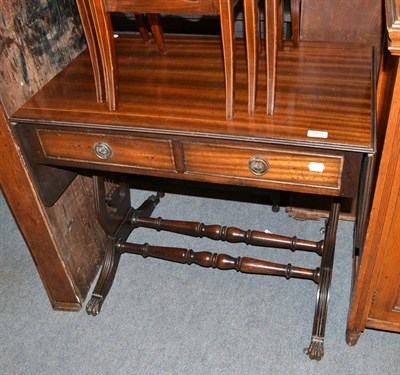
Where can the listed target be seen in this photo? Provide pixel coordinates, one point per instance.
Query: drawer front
(134, 152)
(309, 170)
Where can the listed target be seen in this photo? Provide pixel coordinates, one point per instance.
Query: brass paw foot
(316, 348)
(93, 307)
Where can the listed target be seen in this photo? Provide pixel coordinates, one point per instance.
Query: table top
(324, 96)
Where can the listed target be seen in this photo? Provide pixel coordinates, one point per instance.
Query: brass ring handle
(103, 150)
(258, 165)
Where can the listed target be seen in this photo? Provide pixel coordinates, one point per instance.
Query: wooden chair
(251, 11)
(253, 46)
(271, 46)
(295, 9)
(156, 29)
(101, 10)
(102, 49)
(295, 6)
(94, 48)
(274, 41)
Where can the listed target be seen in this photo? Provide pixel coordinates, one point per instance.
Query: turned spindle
(229, 234)
(220, 261)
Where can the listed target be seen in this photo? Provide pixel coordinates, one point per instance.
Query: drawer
(267, 167)
(134, 152)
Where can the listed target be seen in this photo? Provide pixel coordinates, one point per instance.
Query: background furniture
(295, 6)
(295, 9)
(376, 293)
(100, 10)
(156, 29)
(363, 20)
(65, 260)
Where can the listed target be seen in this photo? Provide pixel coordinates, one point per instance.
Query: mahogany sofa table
(171, 124)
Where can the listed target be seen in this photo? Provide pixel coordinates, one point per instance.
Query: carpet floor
(166, 318)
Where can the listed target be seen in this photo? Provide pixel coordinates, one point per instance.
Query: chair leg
(271, 15)
(251, 15)
(279, 26)
(92, 44)
(228, 46)
(142, 27)
(156, 30)
(105, 37)
(295, 17)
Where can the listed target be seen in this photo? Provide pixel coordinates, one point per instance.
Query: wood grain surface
(320, 88)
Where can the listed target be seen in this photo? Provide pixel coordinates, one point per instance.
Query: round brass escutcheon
(258, 165)
(103, 150)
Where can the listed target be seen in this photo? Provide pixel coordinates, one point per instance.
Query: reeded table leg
(114, 213)
(106, 278)
(316, 348)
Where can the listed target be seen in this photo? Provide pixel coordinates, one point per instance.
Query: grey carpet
(166, 318)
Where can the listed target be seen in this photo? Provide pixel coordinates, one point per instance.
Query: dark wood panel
(50, 182)
(376, 277)
(386, 302)
(356, 21)
(37, 39)
(78, 236)
(66, 285)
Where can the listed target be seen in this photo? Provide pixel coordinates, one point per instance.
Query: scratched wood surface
(37, 40)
